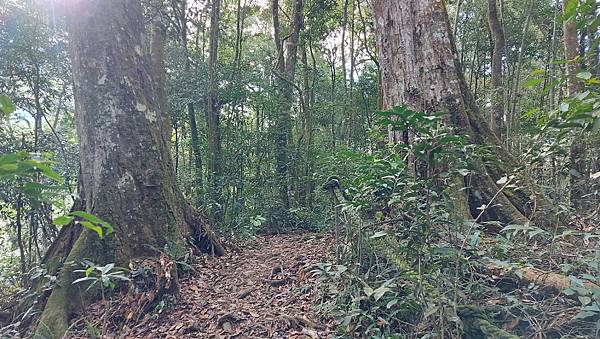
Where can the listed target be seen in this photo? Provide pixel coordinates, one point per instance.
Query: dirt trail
(265, 291)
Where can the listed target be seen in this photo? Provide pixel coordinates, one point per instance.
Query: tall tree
(497, 32)
(286, 68)
(213, 112)
(420, 69)
(571, 45)
(126, 175)
(181, 21)
(577, 152)
(157, 51)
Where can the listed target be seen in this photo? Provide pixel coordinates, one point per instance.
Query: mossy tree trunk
(420, 69)
(126, 174)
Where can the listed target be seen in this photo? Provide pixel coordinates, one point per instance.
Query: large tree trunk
(497, 32)
(420, 69)
(126, 175)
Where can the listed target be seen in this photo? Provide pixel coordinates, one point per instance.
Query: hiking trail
(265, 290)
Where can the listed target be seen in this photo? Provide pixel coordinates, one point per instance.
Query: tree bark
(179, 7)
(515, 93)
(212, 115)
(497, 32)
(571, 45)
(577, 152)
(286, 61)
(157, 50)
(420, 69)
(126, 175)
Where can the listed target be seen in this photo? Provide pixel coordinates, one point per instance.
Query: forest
(299, 169)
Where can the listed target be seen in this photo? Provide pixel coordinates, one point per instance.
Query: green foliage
(89, 221)
(401, 224)
(374, 308)
(106, 276)
(7, 107)
(25, 165)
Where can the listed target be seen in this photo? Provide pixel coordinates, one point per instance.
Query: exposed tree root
(75, 244)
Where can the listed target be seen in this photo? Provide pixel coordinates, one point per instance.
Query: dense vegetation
(457, 165)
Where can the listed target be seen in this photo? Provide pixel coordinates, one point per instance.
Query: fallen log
(549, 281)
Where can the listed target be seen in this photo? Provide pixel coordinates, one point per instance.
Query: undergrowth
(410, 265)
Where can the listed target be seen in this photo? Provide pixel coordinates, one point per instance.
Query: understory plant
(412, 263)
(105, 279)
(402, 222)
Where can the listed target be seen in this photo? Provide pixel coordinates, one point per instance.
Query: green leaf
(379, 292)
(538, 71)
(80, 280)
(6, 105)
(105, 269)
(531, 83)
(89, 270)
(62, 220)
(93, 227)
(87, 216)
(94, 219)
(593, 308)
(584, 300)
(444, 251)
(379, 235)
(12, 158)
(48, 172)
(570, 10)
(585, 75)
(584, 315)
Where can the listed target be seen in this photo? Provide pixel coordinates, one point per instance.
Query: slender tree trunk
(497, 33)
(549, 76)
(420, 70)
(456, 17)
(196, 152)
(353, 111)
(577, 152)
(571, 46)
(197, 155)
(332, 75)
(212, 115)
(516, 92)
(19, 227)
(157, 50)
(345, 118)
(126, 174)
(285, 81)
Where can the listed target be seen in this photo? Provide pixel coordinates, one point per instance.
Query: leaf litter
(263, 290)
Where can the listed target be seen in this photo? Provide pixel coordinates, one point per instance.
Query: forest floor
(263, 291)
